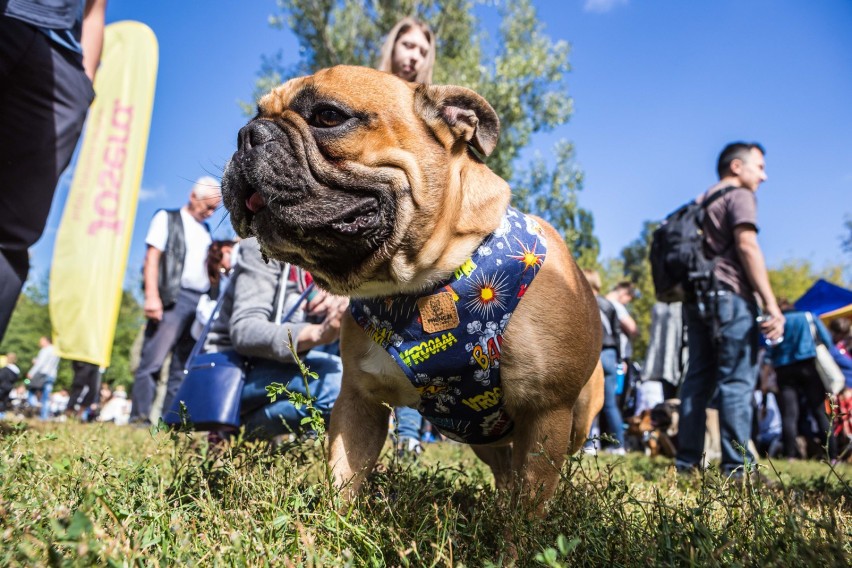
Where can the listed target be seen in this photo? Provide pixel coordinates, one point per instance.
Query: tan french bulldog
(371, 183)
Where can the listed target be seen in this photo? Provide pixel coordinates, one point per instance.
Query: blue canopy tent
(826, 300)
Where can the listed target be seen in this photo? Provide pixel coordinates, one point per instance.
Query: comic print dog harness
(448, 340)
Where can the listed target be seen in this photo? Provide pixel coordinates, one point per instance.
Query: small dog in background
(654, 431)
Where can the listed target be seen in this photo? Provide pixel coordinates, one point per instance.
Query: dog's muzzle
(256, 133)
(279, 187)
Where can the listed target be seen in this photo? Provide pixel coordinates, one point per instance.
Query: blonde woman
(409, 51)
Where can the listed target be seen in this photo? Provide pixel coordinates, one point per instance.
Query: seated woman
(245, 324)
(220, 265)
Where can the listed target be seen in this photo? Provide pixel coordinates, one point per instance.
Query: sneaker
(589, 451)
(616, 451)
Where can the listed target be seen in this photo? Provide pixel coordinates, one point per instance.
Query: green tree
(522, 74)
(611, 271)
(552, 194)
(793, 277)
(130, 319)
(637, 269)
(31, 320)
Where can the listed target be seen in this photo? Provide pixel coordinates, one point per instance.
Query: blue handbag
(209, 396)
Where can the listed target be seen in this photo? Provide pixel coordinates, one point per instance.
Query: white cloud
(602, 6)
(148, 194)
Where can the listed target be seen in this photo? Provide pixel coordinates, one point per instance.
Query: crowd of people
(24, 399)
(702, 367)
(707, 352)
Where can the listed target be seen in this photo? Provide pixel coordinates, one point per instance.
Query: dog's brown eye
(328, 118)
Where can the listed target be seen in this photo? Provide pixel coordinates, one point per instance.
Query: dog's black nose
(255, 133)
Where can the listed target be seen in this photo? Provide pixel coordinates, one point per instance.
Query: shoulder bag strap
(282, 293)
(812, 325)
(196, 349)
(279, 308)
(199, 345)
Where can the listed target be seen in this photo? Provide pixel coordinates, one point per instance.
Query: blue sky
(659, 87)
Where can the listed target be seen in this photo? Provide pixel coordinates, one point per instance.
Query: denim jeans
(610, 411)
(728, 366)
(170, 334)
(408, 423)
(264, 419)
(33, 398)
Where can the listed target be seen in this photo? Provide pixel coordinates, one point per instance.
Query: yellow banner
(93, 241)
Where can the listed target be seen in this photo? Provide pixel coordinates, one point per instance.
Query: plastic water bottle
(768, 342)
(619, 377)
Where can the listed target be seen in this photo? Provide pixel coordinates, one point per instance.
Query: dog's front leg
(359, 426)
(499, 459)
(539, 445)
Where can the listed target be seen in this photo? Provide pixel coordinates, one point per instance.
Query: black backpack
(679, 263)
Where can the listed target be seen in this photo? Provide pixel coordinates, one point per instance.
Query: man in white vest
(174, 278)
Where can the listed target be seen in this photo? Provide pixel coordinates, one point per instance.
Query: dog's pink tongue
(256, 202)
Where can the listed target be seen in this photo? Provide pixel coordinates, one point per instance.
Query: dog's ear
(468, 115)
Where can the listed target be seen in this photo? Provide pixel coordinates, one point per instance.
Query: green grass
(97, 494)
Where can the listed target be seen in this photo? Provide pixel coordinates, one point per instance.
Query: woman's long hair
(215, 255)
(424, 74)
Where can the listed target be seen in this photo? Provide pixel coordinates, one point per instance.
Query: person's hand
(316, 306)
(153, 308)
(323, 304)
(329, 330)
(319, 334)
(330, 326)
(773, 328)
(337, 306)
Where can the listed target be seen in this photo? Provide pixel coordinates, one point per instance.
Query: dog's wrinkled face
(335, 168)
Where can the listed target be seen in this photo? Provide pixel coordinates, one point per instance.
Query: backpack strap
(708, 200)
(706, 203)
(279, 308)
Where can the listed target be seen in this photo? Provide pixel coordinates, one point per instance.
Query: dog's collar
(448, 340)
